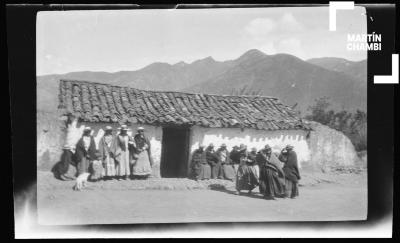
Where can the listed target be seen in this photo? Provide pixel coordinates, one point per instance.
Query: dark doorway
(175, 152)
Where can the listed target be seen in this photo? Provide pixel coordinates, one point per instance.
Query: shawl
(224, 156)
(81, 152)
(290, 167)
(105, 150)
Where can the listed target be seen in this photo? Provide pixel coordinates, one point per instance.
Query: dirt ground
(322, 198)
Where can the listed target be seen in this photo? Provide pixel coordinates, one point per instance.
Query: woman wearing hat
(121, 154)
(141, 168)
(292, 175)
(271, 174)
(106, 153)
(227, 170)
(62, 168)
(85, 151)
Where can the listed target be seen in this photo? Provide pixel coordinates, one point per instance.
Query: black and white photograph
(202, 115)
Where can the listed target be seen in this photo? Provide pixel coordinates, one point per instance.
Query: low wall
(49, 138)
(329, 148)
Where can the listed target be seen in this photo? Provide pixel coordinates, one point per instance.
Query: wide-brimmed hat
(67, 146)
(108, 128)
(124, 128)
(140, 128)
(289, 146)
(87, 129)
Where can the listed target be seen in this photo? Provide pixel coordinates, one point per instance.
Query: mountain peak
(252, 54)
(208, 59)
(180, 64)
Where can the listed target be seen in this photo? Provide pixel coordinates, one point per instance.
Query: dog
(81, 181)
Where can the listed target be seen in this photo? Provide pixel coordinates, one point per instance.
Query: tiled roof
(96, 102)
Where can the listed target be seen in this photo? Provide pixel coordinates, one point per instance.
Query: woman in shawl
(143, 163)
(85, 151)
(121, 154)
(292, 175)
(200, 169)
(227, 170)
(271, 174)
(106, 154)
(246, 177)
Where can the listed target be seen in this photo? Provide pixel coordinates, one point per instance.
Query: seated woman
(200, 169)
(62, 169)
(227, 170)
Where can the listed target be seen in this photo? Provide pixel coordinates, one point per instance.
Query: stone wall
(329, 148)
(49, 138)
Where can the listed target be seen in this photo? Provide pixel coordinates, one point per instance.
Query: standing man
(121, 154)
(106, 153)
(142, 166)
(235, 157)
(227, 170)
(292, 175)
(213, 161)
(85, 151)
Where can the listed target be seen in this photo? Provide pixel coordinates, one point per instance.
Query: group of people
(118, 156)
(276, 176)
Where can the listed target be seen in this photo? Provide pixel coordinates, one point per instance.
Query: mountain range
(295, 81)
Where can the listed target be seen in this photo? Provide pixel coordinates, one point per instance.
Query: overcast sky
(115, 40)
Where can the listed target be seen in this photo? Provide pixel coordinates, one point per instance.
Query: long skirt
(246, 178)
(97, 170)
(83, 166)
(236, 167)
(142, 165)
(215, 170)
(122, 168)
(109, 167)
(270, 184)
(257, 169)
(292, 188)
(202, 172)
(227, 172)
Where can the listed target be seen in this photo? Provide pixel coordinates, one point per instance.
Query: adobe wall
(252, 138)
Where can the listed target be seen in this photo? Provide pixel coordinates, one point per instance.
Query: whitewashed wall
(152, 132)
(252, 138)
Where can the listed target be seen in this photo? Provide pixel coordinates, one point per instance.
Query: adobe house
(176, 123)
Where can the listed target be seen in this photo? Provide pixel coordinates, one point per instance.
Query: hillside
(284, 76)
(357, 70)
(288, 78)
